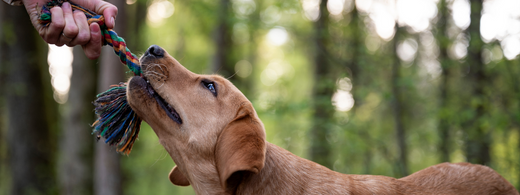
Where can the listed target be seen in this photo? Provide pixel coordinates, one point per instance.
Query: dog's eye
(210, 86)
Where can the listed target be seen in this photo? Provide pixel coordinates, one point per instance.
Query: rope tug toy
(116, 122)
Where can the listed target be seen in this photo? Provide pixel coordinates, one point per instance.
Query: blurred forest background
(363, 87)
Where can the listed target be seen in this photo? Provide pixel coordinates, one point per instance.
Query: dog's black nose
(155, 50)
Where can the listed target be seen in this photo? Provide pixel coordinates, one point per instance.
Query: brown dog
(212, 132)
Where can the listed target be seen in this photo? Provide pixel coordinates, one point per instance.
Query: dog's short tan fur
(220, 147)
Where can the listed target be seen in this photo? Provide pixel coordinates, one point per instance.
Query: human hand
(71, 28)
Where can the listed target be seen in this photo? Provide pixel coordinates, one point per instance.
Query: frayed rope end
(117, 122)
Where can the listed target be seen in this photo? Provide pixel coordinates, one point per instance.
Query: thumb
(109, 12)
(93, 48)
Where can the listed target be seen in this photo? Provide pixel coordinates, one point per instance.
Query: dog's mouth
(170, 111)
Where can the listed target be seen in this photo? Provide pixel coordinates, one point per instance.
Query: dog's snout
(155, 50)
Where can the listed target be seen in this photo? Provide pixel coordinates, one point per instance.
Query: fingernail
(94, 29)
(66, 5)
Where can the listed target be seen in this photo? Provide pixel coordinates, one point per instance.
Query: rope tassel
(116, 122)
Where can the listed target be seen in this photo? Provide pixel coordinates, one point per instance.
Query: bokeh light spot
(243, 68)
(277, 36)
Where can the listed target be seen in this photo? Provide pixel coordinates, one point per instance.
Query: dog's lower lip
(170, 111)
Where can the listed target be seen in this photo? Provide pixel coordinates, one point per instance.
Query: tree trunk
(222, 63)
(29, 136)
(443, 114)
(398, 108)
(134, 25)
(322, 92)
(75, 169)
(3, 126)
(107, 173)
(512, 109)
(356, 43)
(355, 64)
(246, 84)
(477, 135)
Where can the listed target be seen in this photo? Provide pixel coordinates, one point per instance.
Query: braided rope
(116, 121)
(110, 37)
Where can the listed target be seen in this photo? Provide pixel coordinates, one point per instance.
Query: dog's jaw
(145, 105)
(138, 95)
(144, 86)
(199, 173)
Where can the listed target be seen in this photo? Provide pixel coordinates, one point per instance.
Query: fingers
(70, 31)
(83, 36)
(109, 12)
(71, 28)
(93, 48)
(53, 32)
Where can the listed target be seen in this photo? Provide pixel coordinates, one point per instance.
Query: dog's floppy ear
(240, 148)
(177, 178)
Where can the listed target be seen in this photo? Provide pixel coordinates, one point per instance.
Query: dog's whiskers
(162, 83)
(232, 75)
(161, 158)
(149, 68)
(154, 74)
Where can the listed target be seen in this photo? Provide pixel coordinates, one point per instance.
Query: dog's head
(203, 121)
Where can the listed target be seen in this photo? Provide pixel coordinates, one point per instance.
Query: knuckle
(59, 24)
(55, 9)
(71, 30)
(82, 38)
(79, 15)
(110, 11)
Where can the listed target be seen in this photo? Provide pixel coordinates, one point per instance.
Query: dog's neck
(286, 173)
(203, 175)
(283, 173)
